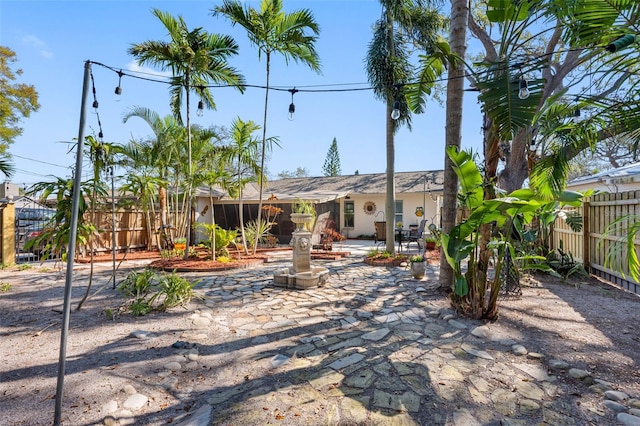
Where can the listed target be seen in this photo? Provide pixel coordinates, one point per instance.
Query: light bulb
(117, 93)
(292, 111)
(200, 111)
(523, 93)
(395, 114)
(95, 107)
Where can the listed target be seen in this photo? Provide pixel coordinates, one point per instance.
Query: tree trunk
(515, 170)
(453, 134)
(390, 204)
(262, 155)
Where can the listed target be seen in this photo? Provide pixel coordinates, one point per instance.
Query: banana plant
(463, 242)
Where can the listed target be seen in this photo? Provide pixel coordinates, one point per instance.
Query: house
(622, 179)
(354, 202)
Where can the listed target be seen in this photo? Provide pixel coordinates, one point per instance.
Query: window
(349, 213)
(399, 212)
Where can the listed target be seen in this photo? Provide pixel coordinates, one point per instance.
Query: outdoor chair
(416, 234)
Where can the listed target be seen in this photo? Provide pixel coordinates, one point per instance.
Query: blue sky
(53, 39)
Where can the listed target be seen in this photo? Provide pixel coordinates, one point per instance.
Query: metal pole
(424, 196)
(113, 233)
(72, 248)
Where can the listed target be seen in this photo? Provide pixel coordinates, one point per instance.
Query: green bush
(149, 291)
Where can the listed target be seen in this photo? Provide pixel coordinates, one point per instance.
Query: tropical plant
(54, 238)
(416, 258)
(271, 30)
(464, 242)
(242, 152)
(403, 25)
(195, 58)
(160, 153)
(172, 291)
(149, 291)
(257, 232)
(304, 207)
(219, 238)
(101, 155)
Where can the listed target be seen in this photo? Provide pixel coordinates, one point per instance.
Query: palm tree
(271, 30)
(242, 153)
(162, 151)
(453, 125)
(404, 23)
(195, 58)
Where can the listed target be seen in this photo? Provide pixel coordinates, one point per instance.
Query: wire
(328, 88)
(39, 161)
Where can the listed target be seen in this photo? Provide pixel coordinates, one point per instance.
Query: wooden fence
(131, 231)
(592, 245)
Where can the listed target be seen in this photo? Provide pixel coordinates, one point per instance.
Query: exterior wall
(612, 186)
(364, 222)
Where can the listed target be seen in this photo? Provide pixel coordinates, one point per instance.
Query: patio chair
(415, 235)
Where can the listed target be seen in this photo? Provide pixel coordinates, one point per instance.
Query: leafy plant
(416, 259)
(150, 291)
(4, 287)
(254, 230)
(564, 264)
(137, 284)
(504, 216)
(304, 207)
(173, 291)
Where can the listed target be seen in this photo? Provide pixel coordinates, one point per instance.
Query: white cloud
(34, 41)
(133, 66)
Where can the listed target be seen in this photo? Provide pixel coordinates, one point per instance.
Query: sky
(53, 40)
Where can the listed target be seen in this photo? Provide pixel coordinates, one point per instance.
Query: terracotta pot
(180, 246)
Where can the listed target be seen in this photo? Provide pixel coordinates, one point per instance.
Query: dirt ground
(588, 323)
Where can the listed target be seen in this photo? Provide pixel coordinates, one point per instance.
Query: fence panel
(599, 212)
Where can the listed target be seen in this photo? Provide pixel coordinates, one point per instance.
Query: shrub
(149, 291)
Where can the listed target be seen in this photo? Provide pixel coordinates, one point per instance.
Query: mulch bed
(202, 261)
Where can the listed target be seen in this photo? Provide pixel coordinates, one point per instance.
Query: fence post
(586, 232)
(8, 229)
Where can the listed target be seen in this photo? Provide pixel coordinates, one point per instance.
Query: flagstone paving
(371, 347)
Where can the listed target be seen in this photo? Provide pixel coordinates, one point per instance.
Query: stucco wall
(363, 222)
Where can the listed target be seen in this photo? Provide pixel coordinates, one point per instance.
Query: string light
(395, 112)
(118, 90)
(200, 111)
(523, 91)
(292, 107)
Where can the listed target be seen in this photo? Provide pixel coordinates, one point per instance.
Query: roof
(617, 174)
(326, 188)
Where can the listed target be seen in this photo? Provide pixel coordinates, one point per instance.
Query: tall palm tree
(403, 25)
(195, 58)
(453, 125)
(271, 30)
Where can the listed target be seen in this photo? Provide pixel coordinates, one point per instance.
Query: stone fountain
(301, 275)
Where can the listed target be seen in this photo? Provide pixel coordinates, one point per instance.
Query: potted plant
(303, 214)
(431, 242)
(418, 266)
(180, 243)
